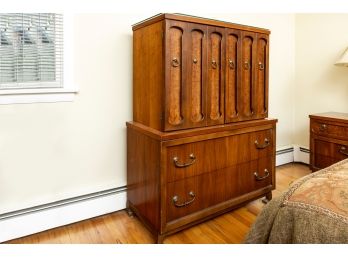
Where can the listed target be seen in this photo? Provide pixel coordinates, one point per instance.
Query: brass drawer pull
(182, 165)
(176, 199)
(322, 127)
(195, 60)
(264, 145)
(343, 150)
(214, 64)
(231, 64)
(175, 62)
(258, 178)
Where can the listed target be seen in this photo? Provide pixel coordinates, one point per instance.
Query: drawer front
(327, 153)
(325, 129)
(197, 193)
(196, 158)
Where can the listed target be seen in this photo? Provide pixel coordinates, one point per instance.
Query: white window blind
(31, 50)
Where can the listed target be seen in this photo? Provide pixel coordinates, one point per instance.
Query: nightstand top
(334, 116)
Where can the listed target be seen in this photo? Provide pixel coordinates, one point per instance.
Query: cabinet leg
(267, 198)
(160, 239)
(129, 211)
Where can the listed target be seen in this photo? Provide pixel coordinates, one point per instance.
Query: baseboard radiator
(43, 217)
(32, 220)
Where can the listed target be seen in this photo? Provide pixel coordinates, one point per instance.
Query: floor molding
(285, 156)
(39, 218)
(293, 153)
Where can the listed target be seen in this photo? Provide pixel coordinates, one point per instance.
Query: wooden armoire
(200, 143)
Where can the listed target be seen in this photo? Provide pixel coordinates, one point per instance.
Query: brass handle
(213, 64)
(264, 145)
(194, 60)
(246, 65)
(231, 64)
(343, 150)
(258, 178)
(182, 165)
(322, 127)
(176, 199)
(175, 62)
(261, 66)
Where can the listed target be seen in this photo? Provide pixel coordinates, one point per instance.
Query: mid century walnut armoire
(200, 143)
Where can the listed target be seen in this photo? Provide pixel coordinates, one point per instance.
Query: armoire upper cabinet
(192, 72)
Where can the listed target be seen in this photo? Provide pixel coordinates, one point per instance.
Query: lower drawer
(199, 192)
(327, 153)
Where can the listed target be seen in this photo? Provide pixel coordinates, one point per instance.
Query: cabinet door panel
(174, 79)
(185, 80)
(232, 80)
(245, 105)
(260, 94)
(195, 106)
(216, 67)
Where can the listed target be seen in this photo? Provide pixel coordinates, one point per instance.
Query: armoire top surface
(195, 19)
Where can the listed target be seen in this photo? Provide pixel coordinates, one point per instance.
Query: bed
(313, 210)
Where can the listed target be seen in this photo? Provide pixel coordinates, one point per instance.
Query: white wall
(53, 151)
(320, 86)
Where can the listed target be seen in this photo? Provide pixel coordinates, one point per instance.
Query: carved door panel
(195, 78)
(245, 90)
(185, 63)
(260, 94)
(174, 67)
(216, 75)
(232, 78)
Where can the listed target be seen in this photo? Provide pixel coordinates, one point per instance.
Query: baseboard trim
(285, 156)
(32, 220)
(301, 154)
(293, 153)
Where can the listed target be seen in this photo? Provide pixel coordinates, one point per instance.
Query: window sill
(49, 95)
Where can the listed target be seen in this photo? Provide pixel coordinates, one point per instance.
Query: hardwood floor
(118, 227)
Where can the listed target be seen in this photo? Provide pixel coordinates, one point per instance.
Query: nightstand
(328, 139)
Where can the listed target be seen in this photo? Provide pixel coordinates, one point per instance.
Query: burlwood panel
(260, 90)
(195, 76)
(246, 105)
(186, 59)
(143, 176)
(217, 153)
(216, 76)
(215, 187)
(148, 76)
(175, 66)
(232, 79)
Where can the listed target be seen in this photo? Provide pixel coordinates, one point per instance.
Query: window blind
(31, 50)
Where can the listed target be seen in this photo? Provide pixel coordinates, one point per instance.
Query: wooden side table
(328, 139)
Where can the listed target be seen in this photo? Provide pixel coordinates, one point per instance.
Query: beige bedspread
(313, 210)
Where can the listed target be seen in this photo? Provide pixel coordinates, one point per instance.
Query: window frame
(49, 94)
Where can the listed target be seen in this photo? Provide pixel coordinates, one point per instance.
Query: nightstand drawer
(192, 159)
(325, 148)
(327, 153)
(327, 129)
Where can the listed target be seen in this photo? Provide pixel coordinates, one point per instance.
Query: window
(31, 54)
